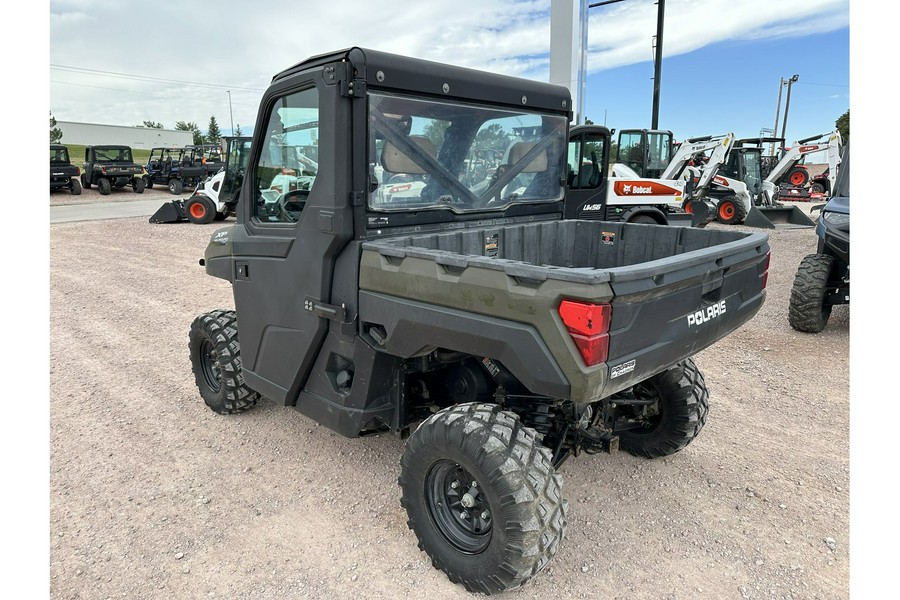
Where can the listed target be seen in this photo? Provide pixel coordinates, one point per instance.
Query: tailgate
(667, 310)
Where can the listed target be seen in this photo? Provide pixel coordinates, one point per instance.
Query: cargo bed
(673, 291)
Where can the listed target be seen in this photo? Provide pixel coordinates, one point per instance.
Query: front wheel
(807, 310)
(216, 363)
(731, 211)
(75, 187)
(482, 497)
(138, 185)
(85, 181)
(674, 410)
(200, 210)
(148, 183)
(104, 186)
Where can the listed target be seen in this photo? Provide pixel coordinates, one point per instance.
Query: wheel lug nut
(454, 485)
(464, 515)
(474, 484)
(485, 515)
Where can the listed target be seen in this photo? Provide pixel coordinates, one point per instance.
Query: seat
(395, 160)
(518, 151)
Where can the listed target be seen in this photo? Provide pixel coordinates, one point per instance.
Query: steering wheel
(291, 204)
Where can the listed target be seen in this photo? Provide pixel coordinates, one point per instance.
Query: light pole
(230, 114)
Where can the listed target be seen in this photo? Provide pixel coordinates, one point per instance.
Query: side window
(287, 167)
(586, 161)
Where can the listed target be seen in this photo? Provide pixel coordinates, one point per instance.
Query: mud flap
(170, 212)
(777, 217)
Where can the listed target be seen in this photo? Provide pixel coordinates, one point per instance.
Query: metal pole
(230, 113)
(787, 105)
(777, 112)
(657, 68)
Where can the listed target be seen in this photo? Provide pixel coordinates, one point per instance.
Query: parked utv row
(107, 167)
(113, 166)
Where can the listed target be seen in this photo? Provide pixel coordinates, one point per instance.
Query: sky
(723, 60)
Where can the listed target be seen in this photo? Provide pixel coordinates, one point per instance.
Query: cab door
(588, 170)
(293, 222)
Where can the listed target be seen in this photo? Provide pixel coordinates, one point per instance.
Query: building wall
(94, 134)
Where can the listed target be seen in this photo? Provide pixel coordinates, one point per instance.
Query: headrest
(395, 161)
(520, 149)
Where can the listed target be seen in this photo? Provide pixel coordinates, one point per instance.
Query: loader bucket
(778, 217)
(170, 212)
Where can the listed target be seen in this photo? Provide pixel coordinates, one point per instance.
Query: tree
(843, 125)
(55, 132)
(213, 135)
(153, 125)
(434, 131)
(192, 127)
(237, 131)
(492, 137)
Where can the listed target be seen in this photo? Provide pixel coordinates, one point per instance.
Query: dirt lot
(154, 496)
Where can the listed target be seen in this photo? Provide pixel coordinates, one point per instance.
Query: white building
(95, 134)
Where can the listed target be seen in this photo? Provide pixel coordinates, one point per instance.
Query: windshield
(842, 183)
(752, 170)
(444, 155)
(59, 155)
(113, 154)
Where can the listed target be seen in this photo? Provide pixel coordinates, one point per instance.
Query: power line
(149, 94)
(825, 84)
(154, 79)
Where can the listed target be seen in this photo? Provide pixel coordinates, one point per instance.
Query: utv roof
(384, 71)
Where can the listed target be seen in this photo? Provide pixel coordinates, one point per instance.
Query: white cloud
(243, 44)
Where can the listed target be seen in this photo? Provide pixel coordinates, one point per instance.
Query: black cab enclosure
(401, 263)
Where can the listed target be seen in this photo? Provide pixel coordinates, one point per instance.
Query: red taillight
(766, 273)
(588, 326)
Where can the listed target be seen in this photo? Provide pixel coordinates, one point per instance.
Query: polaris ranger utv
(823, 279)
(63, 174)
(110, 167)
(456, 307)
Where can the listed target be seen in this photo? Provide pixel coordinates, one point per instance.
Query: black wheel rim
(458, 507)
(209, 361)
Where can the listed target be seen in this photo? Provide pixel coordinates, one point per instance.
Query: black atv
(110, 167)
(207, 156)
(63, 174)
(823, 278)
(174, 168)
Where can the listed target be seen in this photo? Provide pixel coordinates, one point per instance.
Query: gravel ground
(152, 495)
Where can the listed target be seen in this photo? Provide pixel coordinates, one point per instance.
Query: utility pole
(777, 112)
(657, 67)
(787, 104)
(230, 114)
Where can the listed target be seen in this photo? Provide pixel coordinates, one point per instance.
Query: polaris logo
(704, 316)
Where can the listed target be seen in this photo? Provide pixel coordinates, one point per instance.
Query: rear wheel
(75, 187)
(731, 210)
(104, 186)
(807, 311)
(482, 497)
(676, 412)
(644, 219)
(817, 188)
(200, 210)
(216, 363)
(175, 186)
(221, 216)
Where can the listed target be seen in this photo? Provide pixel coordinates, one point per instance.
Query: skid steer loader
(768, 212)
(216, 197)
